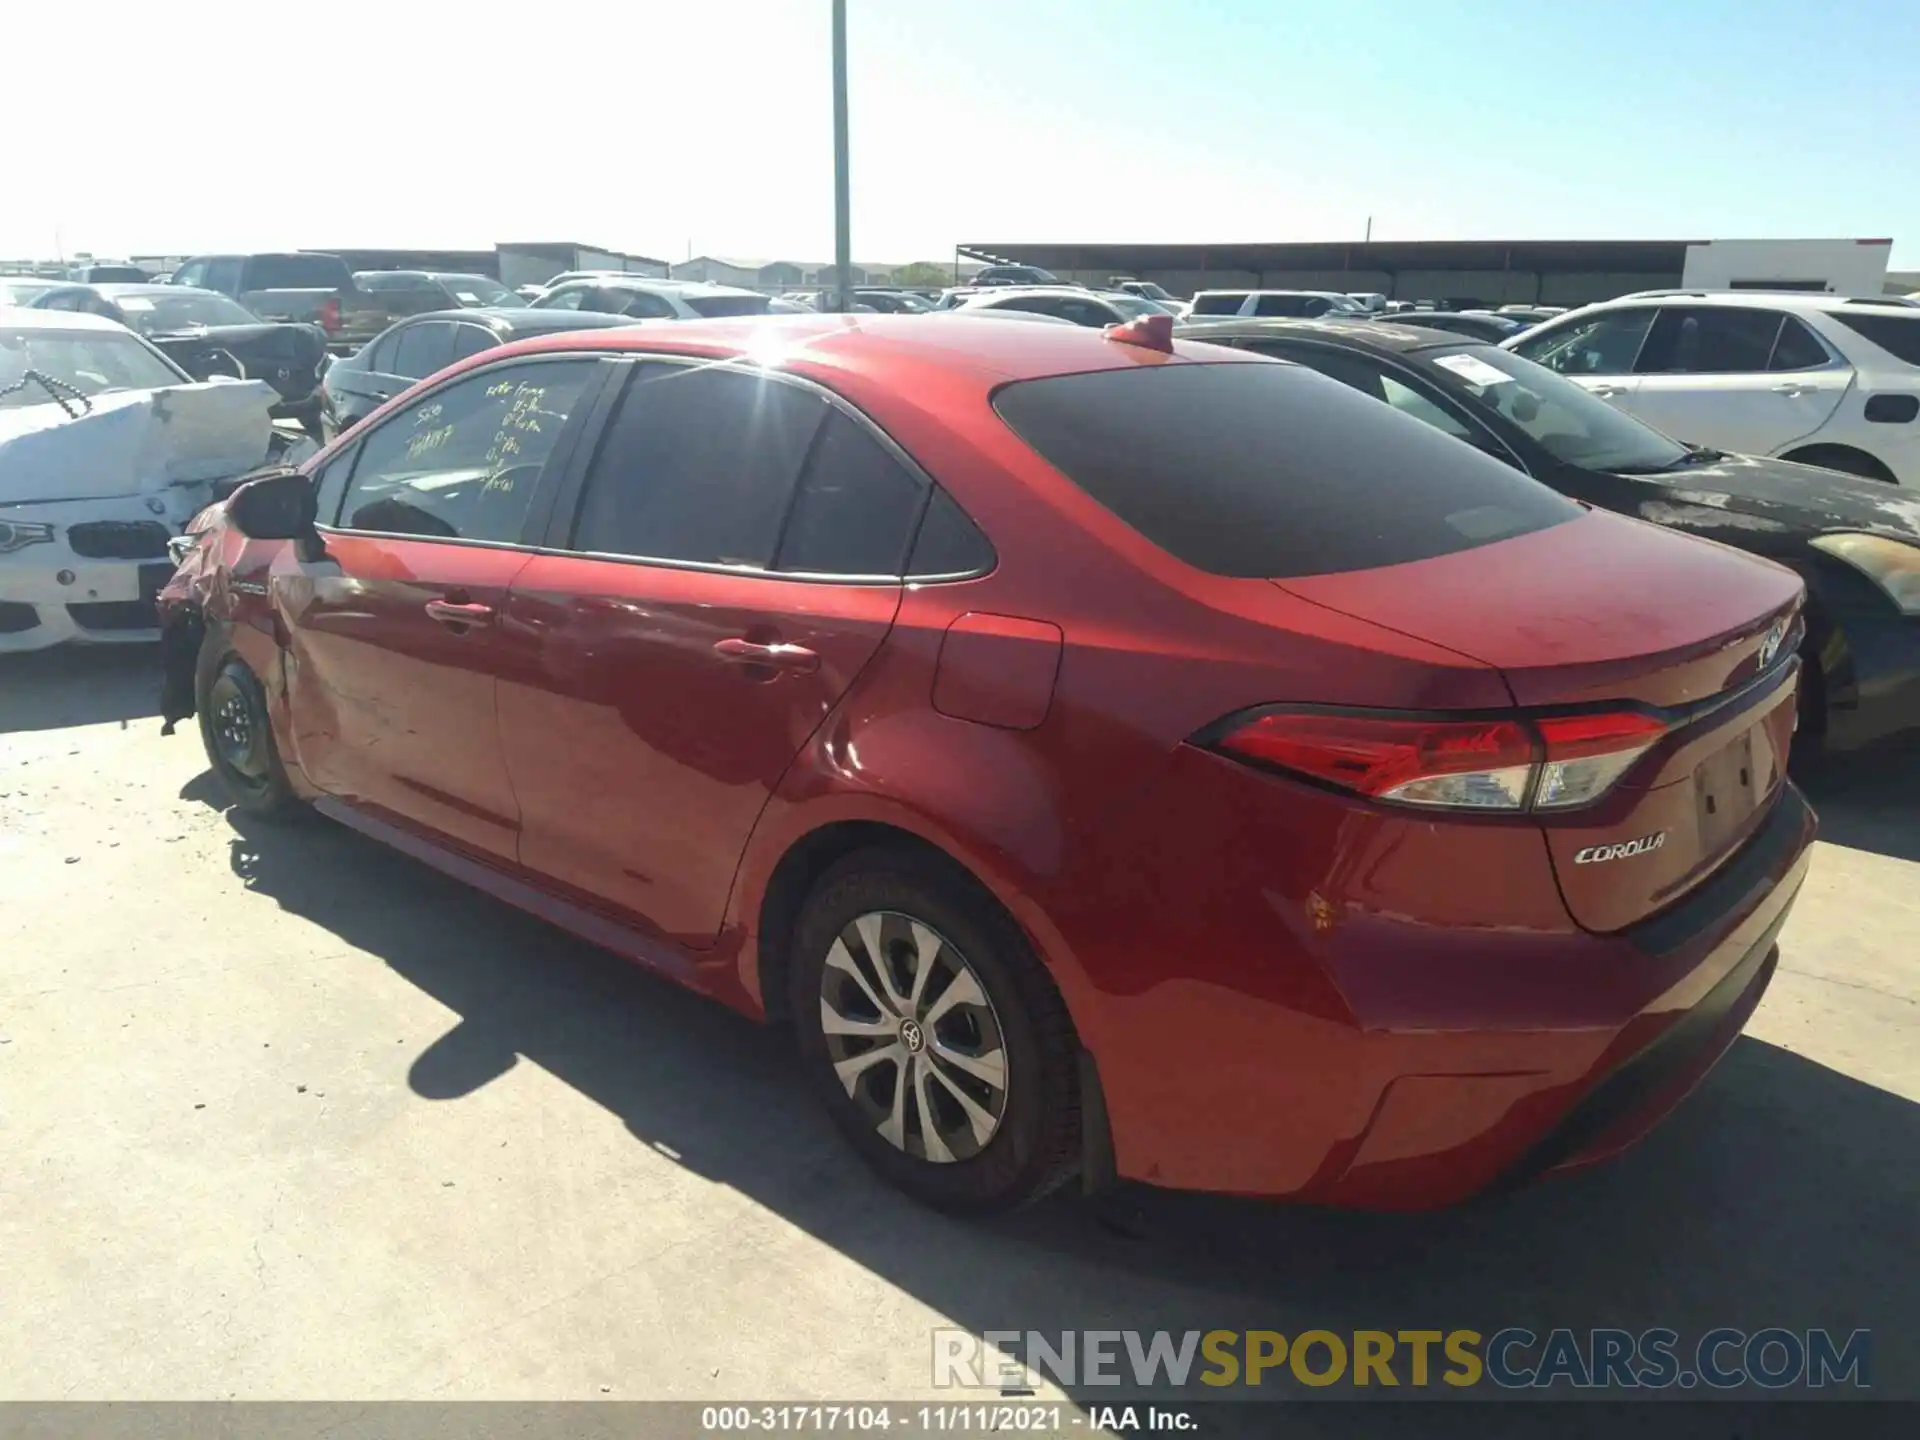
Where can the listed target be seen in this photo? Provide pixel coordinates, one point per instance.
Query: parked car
(1859, 556)
(1819, 379)
(1082, 307)
(416, 292)
(1012, 275)
(311, 288)
(641, 299)
(405, 292)
(1207, 304)
(1112, 755)
(422, 345)
(208, 334)
(109, 273)
(475, 291)
(1480, 324)
(1531, 314)
(1371, 301)
(107, 449)
(24, 289)
(1147, 290)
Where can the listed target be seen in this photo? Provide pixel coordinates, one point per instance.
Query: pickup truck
(312, 288)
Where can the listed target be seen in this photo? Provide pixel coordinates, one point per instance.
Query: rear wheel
(237, 734)
(934, 1036)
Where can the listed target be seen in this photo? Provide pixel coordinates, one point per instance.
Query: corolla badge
(1770, 646)
(1594, 854)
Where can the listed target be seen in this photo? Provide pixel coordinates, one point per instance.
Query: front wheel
(934, 1035)
(237, 734)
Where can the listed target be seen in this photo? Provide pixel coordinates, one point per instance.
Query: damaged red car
(1113, 756)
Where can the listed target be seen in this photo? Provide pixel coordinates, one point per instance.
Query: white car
(1286, 304)
(107, 449)
(1082, 307)
(640, 298)
(1818, 379)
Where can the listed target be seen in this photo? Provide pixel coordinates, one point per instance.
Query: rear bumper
(1458, 1062)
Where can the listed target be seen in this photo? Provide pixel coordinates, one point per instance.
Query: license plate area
(153, 579)
(1729, 786)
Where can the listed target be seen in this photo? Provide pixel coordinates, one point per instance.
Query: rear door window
(1259, 469)
(855, 509)
(471, 340)
(1709, 340)
(949, 544)
(1797, 348)
(1283, 305)
(423, 349)
(699, 465)
(1226, 302)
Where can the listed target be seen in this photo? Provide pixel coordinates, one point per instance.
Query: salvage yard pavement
(287, 1115)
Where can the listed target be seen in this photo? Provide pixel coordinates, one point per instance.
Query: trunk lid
(1610, 613)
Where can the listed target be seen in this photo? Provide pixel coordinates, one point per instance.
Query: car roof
(57, 320)
(988, 354)
(1390, 336)
(1801, 301)
(520, 320)
(1257, 290)
(619, 280)
(1078, 292)
(111, 288)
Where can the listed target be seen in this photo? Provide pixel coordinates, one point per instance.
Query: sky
(676, 127)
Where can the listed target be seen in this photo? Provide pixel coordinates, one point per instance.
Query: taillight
(329, 315)
(1587, 753)
(1553, 762)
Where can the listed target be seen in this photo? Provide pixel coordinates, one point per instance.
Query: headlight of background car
(17, 535)
(1893, 565)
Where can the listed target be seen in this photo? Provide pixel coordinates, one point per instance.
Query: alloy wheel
(913, 1037)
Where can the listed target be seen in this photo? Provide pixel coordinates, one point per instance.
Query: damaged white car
(107, 449)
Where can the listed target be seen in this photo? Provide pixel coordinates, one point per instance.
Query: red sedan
(1112, 756)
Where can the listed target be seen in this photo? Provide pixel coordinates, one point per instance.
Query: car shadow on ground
(78, 685)
(1784, 1193)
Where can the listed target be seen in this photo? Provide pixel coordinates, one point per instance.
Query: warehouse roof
(1652, 257)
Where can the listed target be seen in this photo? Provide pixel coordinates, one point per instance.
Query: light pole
(842, 217)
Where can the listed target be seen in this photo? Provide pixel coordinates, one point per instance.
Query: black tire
(1035, 1145)
(234, 728)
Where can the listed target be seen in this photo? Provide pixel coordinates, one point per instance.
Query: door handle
(450, 612)
(739, 651)
(1607, 392)
(1791, 389)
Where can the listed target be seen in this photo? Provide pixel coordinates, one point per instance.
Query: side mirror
(277, 506)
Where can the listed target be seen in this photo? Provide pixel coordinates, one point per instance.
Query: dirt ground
(285, 1115)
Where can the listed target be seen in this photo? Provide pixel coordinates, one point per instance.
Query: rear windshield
(297, 272)
(1268, 469)
(1898, 335)
(717, 307)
